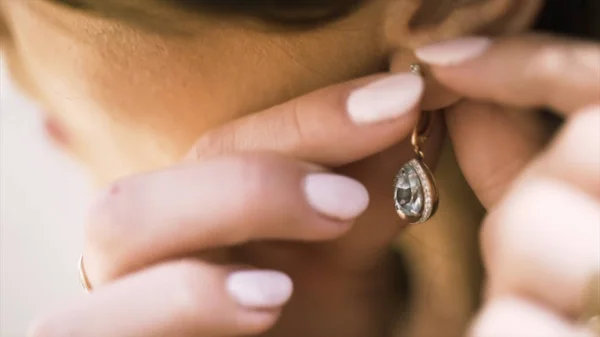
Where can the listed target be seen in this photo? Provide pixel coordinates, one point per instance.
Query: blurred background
(43, 199)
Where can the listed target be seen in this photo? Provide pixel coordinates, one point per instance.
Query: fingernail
(385, 99)
(336, 196)
(453, 52)
(259, 289)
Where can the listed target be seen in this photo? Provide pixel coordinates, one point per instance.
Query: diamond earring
(416, 195)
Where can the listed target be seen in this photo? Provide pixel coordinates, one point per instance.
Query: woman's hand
(541, 241)
(207, 248)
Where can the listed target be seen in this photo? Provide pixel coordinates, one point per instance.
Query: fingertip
(385, 99)
(259, 289)
(337, 197)
(260, 296)
(454, 52)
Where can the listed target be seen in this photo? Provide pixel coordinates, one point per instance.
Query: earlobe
(409, 24)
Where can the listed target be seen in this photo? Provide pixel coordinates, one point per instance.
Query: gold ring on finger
(83, 278)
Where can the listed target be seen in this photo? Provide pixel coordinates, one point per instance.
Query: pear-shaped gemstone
(408, 193)
(415, 193)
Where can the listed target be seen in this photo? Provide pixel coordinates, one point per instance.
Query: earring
(416, 195)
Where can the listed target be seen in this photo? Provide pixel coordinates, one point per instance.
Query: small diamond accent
(416, 69)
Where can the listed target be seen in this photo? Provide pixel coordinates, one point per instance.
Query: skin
(147, 113)
(150, 128)
(145, 135)
(517, 235)
(529, 252)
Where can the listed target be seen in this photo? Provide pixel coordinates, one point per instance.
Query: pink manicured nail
(336, 196)
(453, 52)
(385, 99)
(259, 288)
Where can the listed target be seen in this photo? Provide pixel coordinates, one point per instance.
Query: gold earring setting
(416, 196)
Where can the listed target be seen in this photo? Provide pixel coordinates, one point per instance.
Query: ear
(409, 24)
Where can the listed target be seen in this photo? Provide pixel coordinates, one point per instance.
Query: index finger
(332, 126)
(527, 71)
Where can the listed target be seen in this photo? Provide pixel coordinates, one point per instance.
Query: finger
(332, 126)
(493, 144)
(516, 317)
(184, 298)
(574, 155)
(221, 202)
(543, 240)
(543, 244)
(537, 70)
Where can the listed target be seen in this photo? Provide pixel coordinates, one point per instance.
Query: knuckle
(194, 291)
(259, 181)
(549, 62)
(108, 220)
(103, 217)
(547, 65)
(294, 123)
(199, 300)
(253, 177)
(213, 143)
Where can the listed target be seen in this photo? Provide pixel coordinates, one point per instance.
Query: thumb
(332, 126)
(493, 144)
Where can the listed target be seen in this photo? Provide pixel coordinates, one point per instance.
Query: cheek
(134, 101)
(98, 75)
(127, 103)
